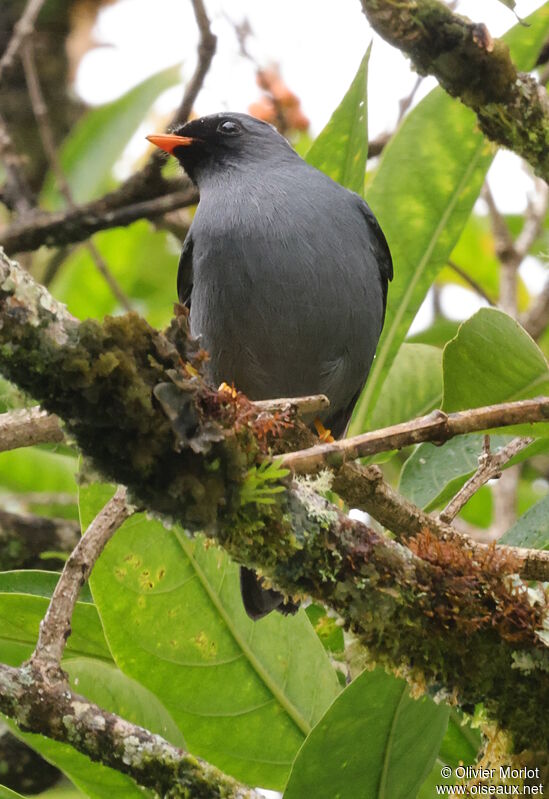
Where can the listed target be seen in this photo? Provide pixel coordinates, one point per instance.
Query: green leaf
(433, 474)
(20, 617)
(129, 252)
(34, 581)
(326, 627)
(428, 180)
(531, 530)
(461, 743)
(63, 790)
(374, 742)
(37, 469)
(438, 334)
(491, 360)
(6, 793)
(99, 138)
(244, 694)
(341, 149)
(460, 746)
(112, 690)
(413, 386)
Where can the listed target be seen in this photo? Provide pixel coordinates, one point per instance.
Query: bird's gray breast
(286, 293)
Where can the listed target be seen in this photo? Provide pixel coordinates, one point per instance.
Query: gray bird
(285, 273)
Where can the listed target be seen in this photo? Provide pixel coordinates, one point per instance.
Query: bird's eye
(229, 128)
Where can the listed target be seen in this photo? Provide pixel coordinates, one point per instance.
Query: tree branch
(22, 30)
(206, 52)
(23, 537)
(363, 487)
(146, 420)
(119, 208)
(52, 709)
(55, 628)
(512, 107)
(437, 427)
(25, 428)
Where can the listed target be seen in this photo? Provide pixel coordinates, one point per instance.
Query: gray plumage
(284, 270)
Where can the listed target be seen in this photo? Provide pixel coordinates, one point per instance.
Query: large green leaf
(21, 614)
(6, 793)
(36, 582)
(374, 742)
(99, 138)
(460, 746)
(531, 529)
(413, 386)
(244, 694)
(428, 180)
(341, 149)
(491, 360)
(144, 262)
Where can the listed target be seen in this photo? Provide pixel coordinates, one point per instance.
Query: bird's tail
(259, 601)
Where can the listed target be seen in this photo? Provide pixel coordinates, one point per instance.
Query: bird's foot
(227, 389)
(324, 434)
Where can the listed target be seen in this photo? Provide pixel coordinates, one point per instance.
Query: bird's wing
(185, 272)
(380, 248)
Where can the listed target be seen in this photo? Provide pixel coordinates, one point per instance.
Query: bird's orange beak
(168, 141)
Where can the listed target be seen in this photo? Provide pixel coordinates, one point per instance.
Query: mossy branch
(512, 107)
(51, 709)
(133, 399)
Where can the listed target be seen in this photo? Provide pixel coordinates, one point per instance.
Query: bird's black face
(219, 142)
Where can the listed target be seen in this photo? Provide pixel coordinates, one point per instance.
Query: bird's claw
(324, 434)
(227, 389)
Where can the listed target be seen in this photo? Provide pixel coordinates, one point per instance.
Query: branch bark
(52, 709)
(55, 627)
(437, 427)
(146, 420)
(24, 428)
(490, 465)
(512, 108)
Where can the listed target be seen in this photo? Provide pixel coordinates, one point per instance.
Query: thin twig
(471, 281)
(17, 194)
(55, 627)
(23, 28)
(437, 426)
(114, 210)
(206, 51)
(490, 465)
(364, 487)
(536, 319)
(407, 101)
(27, 427)
(534, 218)
(41, 114)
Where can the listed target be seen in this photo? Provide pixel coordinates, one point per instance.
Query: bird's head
(221, 142)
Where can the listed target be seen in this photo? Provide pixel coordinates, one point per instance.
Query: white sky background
(318, 45)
